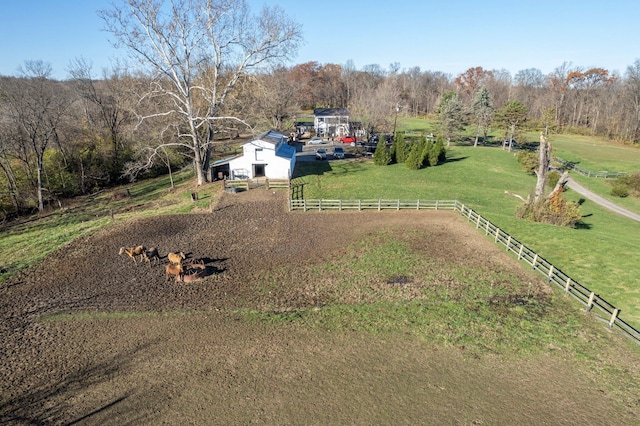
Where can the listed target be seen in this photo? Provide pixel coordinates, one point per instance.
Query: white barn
(269, 155)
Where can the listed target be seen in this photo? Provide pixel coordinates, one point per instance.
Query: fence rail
(374, 204)
(588, 173)
(593, 303)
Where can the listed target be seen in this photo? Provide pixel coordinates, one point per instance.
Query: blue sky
(437, 35)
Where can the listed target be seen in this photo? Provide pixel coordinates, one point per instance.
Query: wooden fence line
(600, 174)
(593, 303)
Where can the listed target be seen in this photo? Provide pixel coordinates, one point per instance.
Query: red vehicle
(347, 139)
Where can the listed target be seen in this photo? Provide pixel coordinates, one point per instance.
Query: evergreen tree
(482, 111)
(414, 159)
(437, 152)
(399, 148)
(381, 156)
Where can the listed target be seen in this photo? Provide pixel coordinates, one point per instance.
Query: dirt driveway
(128, 347)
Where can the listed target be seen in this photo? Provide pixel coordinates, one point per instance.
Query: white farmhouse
(269, 155)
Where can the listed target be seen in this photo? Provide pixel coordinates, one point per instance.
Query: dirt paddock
(129, 347)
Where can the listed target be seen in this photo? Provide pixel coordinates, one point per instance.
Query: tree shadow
(34, 406)
(453, 159)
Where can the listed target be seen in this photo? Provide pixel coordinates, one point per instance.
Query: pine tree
(381, 156)
(414, 159)
(399, 148)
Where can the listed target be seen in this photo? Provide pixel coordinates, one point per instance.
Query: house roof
(330, 112)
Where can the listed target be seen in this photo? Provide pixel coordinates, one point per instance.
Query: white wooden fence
(593, 303)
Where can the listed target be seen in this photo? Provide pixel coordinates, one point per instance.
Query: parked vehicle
(347, 139)
(338, 152)
(321, 154)
(315, 141)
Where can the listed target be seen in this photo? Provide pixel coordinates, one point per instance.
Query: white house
(330, 122)
(268, 155)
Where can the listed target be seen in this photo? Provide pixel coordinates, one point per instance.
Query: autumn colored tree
(471, 80)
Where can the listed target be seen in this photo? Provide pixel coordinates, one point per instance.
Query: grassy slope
(25, 242)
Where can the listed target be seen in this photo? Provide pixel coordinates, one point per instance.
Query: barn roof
(330, 112)
(272, 136)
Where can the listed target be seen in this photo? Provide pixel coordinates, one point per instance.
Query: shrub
(528, 160)
(552, 178)
(619, 190)
(554, 210)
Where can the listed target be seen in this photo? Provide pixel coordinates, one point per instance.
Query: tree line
(207, 73)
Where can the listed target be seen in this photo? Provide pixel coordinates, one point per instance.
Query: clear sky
(437, 35)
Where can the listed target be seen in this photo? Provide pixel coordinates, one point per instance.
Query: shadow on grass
(453, 159)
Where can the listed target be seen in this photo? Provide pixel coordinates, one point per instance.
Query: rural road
(601, 200)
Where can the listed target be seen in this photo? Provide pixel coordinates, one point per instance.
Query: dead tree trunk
(544, 160)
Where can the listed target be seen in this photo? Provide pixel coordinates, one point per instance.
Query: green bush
(528, 160)
(619, 190)
(552, 178)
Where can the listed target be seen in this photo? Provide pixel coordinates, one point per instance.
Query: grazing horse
(176, 258)
(150, 254)
(171, 270)
(133, 252)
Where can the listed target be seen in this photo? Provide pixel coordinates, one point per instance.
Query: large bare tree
(198, 51)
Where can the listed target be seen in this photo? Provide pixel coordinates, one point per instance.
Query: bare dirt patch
(129, 347)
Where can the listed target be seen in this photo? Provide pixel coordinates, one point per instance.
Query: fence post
(418, 205)
(550, 273)
(359, 205)
(520, 252)
(535, 259)
(340, 205)
(590, 302)
(497, 234)
(486, 230)
(437, 204)
(398, 205)
(379, 204)
(508, 242)
(320, 205)
(567, 286)
(469, 216)
(613, 317)
(304, 204)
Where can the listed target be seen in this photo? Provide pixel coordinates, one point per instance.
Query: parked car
(338, 152)
(321, 154)
(315, 141)
(347, 139)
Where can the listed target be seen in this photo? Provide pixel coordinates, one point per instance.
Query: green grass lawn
(601, 255)
(594, 154)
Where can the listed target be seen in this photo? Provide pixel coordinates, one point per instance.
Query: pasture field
(353, 318)
(601, 254)
(594, 154)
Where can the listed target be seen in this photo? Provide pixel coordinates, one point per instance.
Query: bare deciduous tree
(36, 105)
(198, 51)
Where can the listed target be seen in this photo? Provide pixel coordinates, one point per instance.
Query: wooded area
(65, 138)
